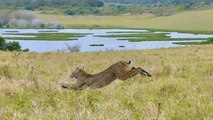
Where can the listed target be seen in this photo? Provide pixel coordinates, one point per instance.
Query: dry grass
(123, 21)
(181, 86)
(191, 21)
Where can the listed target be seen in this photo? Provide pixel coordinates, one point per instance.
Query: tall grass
(181, 86)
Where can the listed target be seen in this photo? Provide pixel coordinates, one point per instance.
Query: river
(85, 42)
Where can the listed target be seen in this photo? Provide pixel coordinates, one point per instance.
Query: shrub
(2, 43)
(11, 46)
(210, 41)
(29, 7)
(70, 12)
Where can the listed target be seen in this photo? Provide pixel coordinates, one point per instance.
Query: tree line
(157, 1)
(34, 4)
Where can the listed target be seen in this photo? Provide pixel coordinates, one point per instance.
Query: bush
(11, 46)
(29, 7)
(81, 10)
(2, 43)
(70, 12)
(210, 41)
(121, 8)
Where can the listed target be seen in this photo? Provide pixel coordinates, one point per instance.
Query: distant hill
(107, 7)
(33, 4)
(157, 1)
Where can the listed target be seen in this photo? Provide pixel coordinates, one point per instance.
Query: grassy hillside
(191, 21)
(181, 86)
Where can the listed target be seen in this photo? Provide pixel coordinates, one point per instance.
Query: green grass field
(194, 21)
(181, 86)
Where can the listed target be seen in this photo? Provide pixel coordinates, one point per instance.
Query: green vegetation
(147, 36)
(36, 4)
(47, 31)
(66, 15)
(97, 7)
(81, 10)
(159, 38)
(10, 46)
(96, 45)
(48, 36)
(131, 37)
(208, 41)
(181, 86)
(119, 9)
(11, 31)
(188, 2)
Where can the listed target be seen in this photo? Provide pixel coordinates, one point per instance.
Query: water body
(85, 42)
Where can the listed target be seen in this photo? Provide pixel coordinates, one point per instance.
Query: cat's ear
(129, 62)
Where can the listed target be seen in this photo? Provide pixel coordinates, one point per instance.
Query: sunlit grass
(181, 86)
(194, 21)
